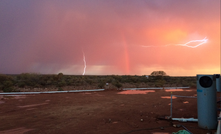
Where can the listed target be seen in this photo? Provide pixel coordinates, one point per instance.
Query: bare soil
(107, 112)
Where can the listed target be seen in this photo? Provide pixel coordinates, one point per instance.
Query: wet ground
(105, 112)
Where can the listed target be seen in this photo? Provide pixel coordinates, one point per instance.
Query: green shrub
(61, 84)
(101, 85)
(60, 89)
(21, 84)
(193, 85)
(117, 84)
(8, 89)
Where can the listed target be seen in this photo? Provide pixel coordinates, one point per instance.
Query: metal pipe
(155, 88)
(187, 129)
(185, 119)
(171, 108)
(171, 102)
(185, 96)
(49, 92)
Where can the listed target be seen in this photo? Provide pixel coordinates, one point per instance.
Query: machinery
(206, 101)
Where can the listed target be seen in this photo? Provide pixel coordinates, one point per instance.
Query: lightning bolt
(85, 65)
(203, 41)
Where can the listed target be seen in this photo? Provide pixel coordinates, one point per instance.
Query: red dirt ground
(106, 112)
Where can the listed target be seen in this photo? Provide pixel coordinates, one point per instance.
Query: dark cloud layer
(51, 36)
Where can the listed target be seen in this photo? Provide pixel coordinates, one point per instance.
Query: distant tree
(28, 79)
(158, 78)
(4, 77)
(7, 86)
(61, 83)
(117, 84)
(21, 84)
(6, 83)
(160, 83)
(158, 73)
(60, 75)
(100, 85)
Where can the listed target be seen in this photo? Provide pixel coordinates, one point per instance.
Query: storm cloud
(50, 36)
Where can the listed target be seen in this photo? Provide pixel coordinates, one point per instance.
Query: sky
(110, 37)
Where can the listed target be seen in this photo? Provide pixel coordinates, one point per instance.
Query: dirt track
(106, 112)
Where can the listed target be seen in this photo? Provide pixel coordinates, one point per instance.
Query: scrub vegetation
(42, 82)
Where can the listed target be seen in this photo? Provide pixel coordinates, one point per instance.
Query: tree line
(9, 83)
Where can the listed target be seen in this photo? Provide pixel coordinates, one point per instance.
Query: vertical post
(219, 125)
(171, 102)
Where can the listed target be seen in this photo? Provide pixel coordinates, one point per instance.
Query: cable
(185, 96)
(186, 129)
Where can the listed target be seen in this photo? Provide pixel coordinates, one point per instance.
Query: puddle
(20, 130)
(188, 90)
(146, 91)
(175, 90)
(185, 102)
(136, 92)
(33, 105)
(168, 97)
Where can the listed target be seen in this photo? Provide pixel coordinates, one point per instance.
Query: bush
(8, 89)
(7, 86)
(193, 85)
(61, 84)
(60, 89)
(101, 85)
(118, 84)
(21, 84)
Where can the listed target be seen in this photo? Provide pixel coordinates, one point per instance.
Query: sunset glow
(118, 37)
